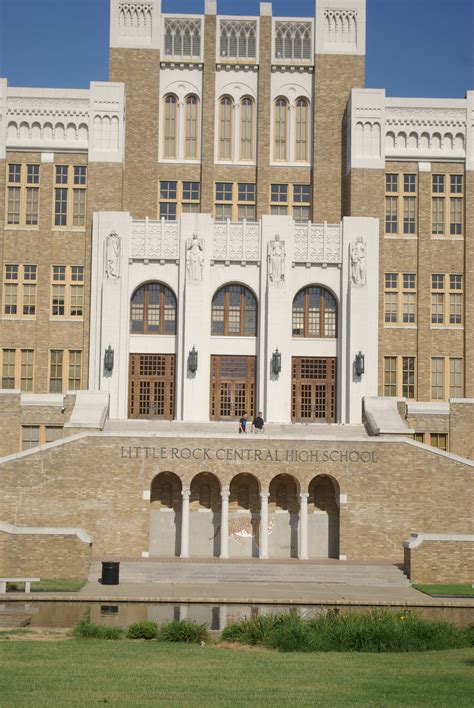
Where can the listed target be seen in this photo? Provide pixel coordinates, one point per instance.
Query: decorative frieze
(236, 241)
(317, 243)
(156, 240)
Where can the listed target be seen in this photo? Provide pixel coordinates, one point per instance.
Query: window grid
(234, 312)
(400, 204)
(447, 205)
(447, 379)
(400, 299)
(23, 195)
(19, 291)
(17, 366)
(447, 299)
(178, 197)
(153, 310)
(314, 313)
(34, 435)
(70, 196)
(291, 199)
(234, 201)
(65, 370)
(67, 292)
(399, 376)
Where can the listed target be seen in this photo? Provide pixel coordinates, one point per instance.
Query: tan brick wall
(440, 562)
(461, 427)
(469, 285)
(139, 70)
(44, 556)
(208, 115)
(334, 77)
(402, 490)
(263, 116)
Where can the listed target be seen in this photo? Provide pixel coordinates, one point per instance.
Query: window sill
(67, 229)
(396, 237)
(16, 318)
(449, 328)
(17, 227)
(447, 238)
(66, 319)
(400, 326)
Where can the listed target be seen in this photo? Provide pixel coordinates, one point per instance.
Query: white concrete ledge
(416, 539)
(45, 531)
(382, 416)
(55, 400)
(90, 410)
(428, 407)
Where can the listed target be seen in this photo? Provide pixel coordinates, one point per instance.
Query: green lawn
(49, 586)
(92, 672)
(465, 590)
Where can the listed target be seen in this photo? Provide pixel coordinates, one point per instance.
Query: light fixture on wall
(193, 360)
(109, 359)
(276, 362)
(359, 364)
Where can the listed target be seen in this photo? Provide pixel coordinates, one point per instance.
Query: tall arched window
(246, 129)
(281, 130)
(301, 129)
(191, 127)
(153, 310)
(234, 312)
(171, 125)
(314, 313)
(226, 106)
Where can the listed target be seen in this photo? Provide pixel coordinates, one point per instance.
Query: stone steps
(201, 572)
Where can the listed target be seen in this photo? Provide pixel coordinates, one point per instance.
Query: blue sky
(414, 47)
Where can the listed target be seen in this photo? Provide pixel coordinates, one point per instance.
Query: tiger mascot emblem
(242, 529)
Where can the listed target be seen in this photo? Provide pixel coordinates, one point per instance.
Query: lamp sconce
(193, 360)
(276, 362)
(359, 364)
(109, 359)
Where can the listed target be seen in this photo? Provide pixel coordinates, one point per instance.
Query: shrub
(143, 630)
(85, 629)
(252, 631)
(183, 631)
(468, 634)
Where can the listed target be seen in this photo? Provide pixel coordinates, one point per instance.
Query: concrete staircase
(255, 572)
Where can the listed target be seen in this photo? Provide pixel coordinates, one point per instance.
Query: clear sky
(414, 47)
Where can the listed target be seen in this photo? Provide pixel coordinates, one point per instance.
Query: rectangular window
(455, 378)
(70, 183)
(235, 201)
(65, 372)
(56, 371)
(8, 368)
(67, 291)
(401, 204)
(439, 440)
(17, 369)
(176, 198)
(19, 291)
(447, 205)
(446, 378)
(400, 376)
(446, 299)
(74, 376)
(400, 298)
(23, 194)
(291, 199)
(34, 435)
(27, 356)
(437, 378)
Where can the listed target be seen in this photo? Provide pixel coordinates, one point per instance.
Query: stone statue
(276, 260)
(358, 267)
(195, 258)
(112, 255)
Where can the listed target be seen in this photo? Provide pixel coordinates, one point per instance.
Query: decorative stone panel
(156, 240)
(317, 243)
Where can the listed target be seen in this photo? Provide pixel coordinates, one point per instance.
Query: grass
(78, 673)
(49, 586)
(461, 590)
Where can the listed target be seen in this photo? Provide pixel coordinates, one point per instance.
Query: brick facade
(440, 562)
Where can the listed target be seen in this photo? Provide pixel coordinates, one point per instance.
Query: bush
(85, 629)
(183, 631)
(375, 631)
(143, 630)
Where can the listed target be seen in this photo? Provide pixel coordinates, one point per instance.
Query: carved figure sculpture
(195, 258)
(276, 260)
(358, 265)
(112, 255)
(245, 528)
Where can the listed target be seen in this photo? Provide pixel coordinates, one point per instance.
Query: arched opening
(283, 518)
(153, 309)
(244, 516)
(226, 127)
(205, 515)
(323, 517)
(234, 311)
(165, 515)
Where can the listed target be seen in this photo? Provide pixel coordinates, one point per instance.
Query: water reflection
(67, 614)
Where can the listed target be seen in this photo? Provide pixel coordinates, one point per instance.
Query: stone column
(224, 523)
(185, 524)
(264, 525)
(303, 535)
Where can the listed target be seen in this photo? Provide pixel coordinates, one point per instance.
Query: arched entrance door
(165, 515)
(244, 516)
(204, 516)
(323, 517)
(283, 517)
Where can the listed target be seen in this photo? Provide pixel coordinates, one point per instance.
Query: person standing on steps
(243, 423)
(258, 423)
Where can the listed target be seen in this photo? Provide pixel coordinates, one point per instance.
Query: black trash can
(110, 573)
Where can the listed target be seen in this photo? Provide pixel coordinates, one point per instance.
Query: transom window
(290, 199)
(238, 39)
(176, 198)
(293, 40)
(235, 201)
(314, 313)
(234, 312)
(153, 310)
(182, 37)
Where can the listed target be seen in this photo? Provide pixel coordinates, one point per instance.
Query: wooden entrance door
(151, 386)
(232, 386)
(313, 389)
